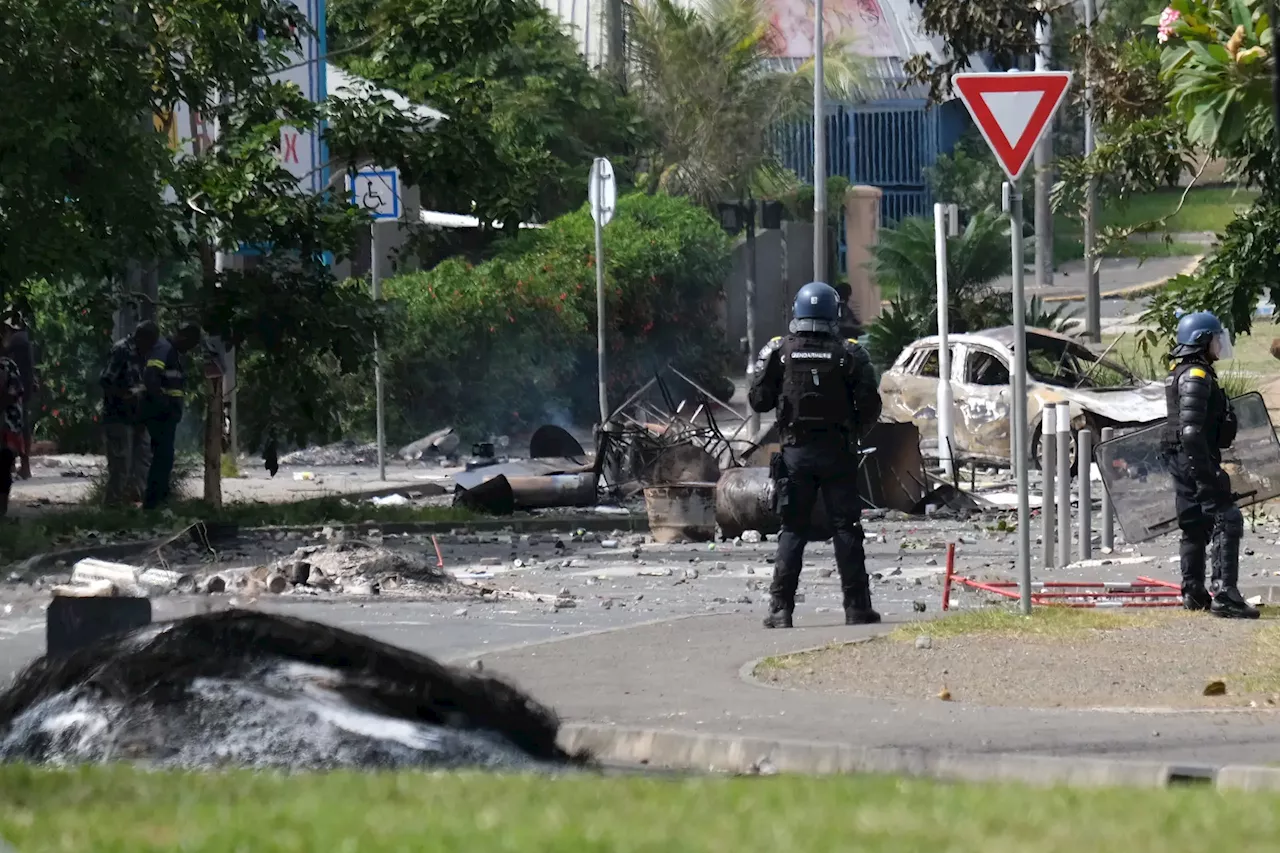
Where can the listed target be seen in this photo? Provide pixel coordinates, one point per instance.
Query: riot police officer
(1199, 425)
(824, 389)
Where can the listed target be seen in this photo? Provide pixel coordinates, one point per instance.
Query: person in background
(12, 440)
(165, 383)
(20, 351)
(127, 443)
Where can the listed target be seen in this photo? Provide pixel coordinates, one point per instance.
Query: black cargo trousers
(801, 473)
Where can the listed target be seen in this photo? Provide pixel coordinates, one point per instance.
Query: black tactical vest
(1215, 415)
(815, 393)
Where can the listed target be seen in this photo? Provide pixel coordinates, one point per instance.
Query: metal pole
(377, 354)
(1092, 290)
(753, 423)
(819, 150)
(953, 220)
(600, 321)
(945, 434)
(1084, 470)
(1064, 484)
(1043, 162)
(1048, 463)
(1020, 450)
(1108, 519)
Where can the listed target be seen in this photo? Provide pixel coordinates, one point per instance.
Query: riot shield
(1136, 473)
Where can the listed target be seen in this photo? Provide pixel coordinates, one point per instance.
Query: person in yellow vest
(165, 382)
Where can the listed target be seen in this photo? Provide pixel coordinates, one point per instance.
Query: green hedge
(510, 343)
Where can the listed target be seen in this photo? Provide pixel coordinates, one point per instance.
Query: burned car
(1059, 369)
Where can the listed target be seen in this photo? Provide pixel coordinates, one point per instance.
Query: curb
(699, 752)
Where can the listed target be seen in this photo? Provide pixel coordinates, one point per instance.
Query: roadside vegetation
(111, 808)
(66, 528)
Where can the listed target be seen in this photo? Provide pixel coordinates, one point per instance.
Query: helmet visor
(1220, 346)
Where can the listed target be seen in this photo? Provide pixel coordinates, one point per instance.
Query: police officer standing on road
(162, 408)
(824, 389)
(1199, 425)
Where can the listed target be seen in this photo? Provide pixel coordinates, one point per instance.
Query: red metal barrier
(1143, 592)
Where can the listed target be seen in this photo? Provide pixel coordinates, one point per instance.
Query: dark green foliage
(905, 258)
(525, 114)
(510, 343)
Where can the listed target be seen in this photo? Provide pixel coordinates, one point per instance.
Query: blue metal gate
(886, 145)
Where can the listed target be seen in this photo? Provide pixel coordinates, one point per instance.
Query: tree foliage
(1003, 30)
(91, 180)
(522, 325)
(526, 116)
(708, 82)
(905, 259)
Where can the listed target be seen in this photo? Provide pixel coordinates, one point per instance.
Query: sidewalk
(1115, 275)
(685, 675)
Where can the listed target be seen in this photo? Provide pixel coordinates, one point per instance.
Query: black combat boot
(1195, 597)
(855, 616)
(1230, 604)
(1227, 600)
(779, 614)
(857, 605)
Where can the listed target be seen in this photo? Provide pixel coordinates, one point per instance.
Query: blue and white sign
(376, 192)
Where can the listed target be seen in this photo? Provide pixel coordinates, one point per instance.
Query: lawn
(1207, 209)
(114, 809)
(1252, 364)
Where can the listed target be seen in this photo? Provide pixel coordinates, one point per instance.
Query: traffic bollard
(1108, 521)
(1064, 485)
(1048, 464)
(1084, 469)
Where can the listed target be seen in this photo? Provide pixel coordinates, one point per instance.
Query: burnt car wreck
(1100, 392)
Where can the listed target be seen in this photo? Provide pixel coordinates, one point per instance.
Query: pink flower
(1168, 18)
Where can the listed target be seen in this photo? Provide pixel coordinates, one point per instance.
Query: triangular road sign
(1013, 109)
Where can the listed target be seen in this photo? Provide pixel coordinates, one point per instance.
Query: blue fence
(886, 145)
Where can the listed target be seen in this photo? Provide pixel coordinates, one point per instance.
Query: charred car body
(1059, 369)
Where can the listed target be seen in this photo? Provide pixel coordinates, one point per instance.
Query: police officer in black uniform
(824, 389)
(1199, 425)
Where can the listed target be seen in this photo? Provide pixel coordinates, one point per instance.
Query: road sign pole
(600, 319)
(945, 434)
(380, 415)
(1020, 454)
(1092, 294)
(1013, 110)
(819, 150)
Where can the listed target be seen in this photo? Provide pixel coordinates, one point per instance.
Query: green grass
(1206, 209)
(1253, 358)
(1043, 622)
(114, 810)
(22, 538)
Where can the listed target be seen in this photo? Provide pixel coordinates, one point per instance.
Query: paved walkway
(1115, 274)
(685, 675)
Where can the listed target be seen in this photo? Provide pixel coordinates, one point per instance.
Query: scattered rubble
(340, 453)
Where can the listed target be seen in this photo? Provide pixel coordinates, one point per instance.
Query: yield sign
(1013, 110)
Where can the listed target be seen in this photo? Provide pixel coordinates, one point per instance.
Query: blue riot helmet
(817, 301)
(1201, 331)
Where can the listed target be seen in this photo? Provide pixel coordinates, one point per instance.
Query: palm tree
(712, 91)
(905, 260)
